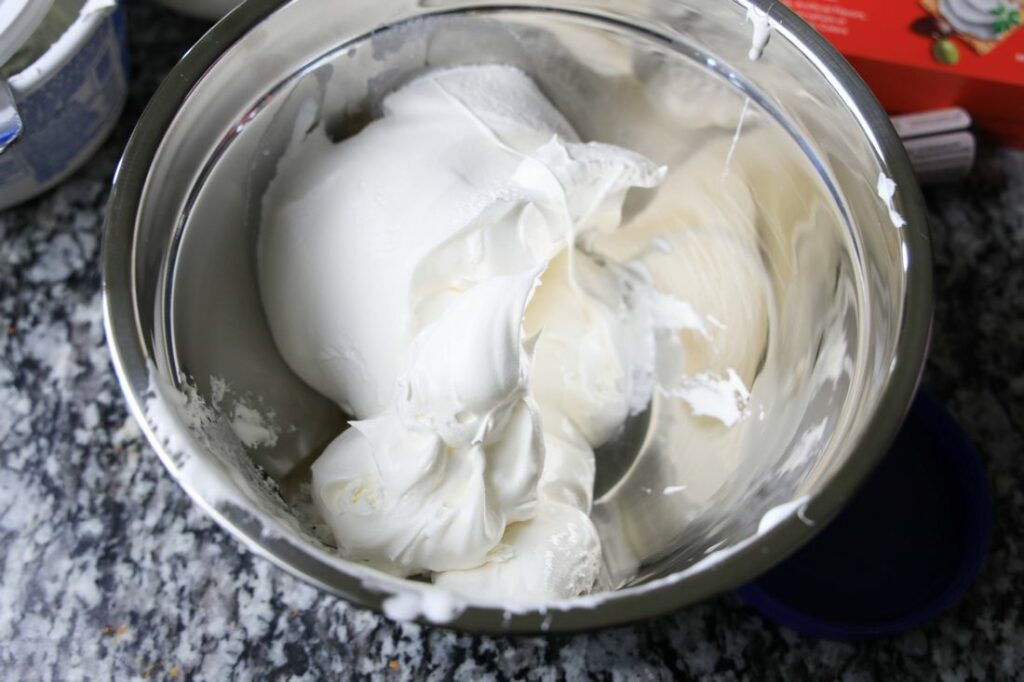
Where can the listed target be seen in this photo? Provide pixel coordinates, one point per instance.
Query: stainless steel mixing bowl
(667, 78)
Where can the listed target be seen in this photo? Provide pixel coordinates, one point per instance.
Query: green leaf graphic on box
(1006, 17)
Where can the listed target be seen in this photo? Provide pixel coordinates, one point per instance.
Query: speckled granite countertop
(109, 571)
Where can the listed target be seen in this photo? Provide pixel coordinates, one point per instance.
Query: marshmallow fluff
(436, 276)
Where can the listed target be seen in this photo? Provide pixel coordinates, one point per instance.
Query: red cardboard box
(928, 54)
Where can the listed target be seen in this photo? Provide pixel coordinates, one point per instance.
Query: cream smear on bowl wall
(525, 308)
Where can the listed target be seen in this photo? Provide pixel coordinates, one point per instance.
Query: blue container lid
(903, 550)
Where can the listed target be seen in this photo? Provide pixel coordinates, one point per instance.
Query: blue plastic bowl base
(903, 550)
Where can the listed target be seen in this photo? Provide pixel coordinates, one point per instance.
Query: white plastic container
(67, 93)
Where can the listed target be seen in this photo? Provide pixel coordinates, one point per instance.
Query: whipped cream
(436, 275)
